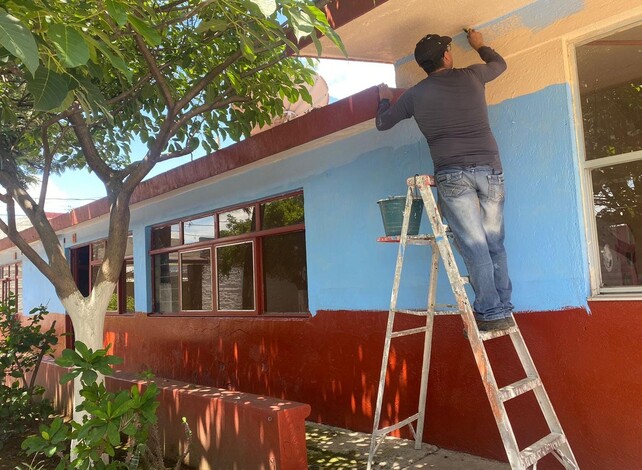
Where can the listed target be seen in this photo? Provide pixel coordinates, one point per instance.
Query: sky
(344, 78)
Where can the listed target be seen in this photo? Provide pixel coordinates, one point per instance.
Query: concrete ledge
(231, 430)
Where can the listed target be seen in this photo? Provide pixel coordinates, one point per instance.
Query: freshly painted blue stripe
(538, 14)
(342, 182)
(545, 239)
(535, 16)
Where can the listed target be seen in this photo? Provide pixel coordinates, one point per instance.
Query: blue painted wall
(342, 181)
(545, 239)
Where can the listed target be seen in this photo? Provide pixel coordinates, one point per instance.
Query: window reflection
(284, 273)
(236, 222)
(617, 193)
(235, 276)
(196, 280)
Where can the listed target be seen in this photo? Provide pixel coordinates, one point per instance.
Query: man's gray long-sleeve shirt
(451, 112)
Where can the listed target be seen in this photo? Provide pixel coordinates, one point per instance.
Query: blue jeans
(472, 202)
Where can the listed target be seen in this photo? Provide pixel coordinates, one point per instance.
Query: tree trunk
(88, 318)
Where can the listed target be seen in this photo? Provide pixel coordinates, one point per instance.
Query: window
(11, 278)
(610, 81)
(247, 260)
(86, 261)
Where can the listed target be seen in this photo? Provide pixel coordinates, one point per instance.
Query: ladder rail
(390, 325)
(430, 322)
(479, 352)
(556, 442)
(544, 401)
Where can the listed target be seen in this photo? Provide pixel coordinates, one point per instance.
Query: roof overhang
(387, 30)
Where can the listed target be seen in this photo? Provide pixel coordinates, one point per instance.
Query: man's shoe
(492, 325)
(510, 321)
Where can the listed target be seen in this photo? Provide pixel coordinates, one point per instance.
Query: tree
(79, 80)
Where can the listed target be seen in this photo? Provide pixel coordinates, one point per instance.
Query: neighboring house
(257, 268)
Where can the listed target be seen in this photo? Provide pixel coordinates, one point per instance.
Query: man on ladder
(450, 108)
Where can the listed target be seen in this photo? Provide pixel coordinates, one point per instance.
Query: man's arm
(388, 115)
(495, 64)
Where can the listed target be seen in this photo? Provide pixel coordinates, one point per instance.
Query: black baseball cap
(431, 48)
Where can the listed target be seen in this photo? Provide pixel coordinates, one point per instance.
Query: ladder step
(422, 313)
(412, 331)
(445, 309)
(411, 240)
(519, 388)
(531, 454)
(486, 335)
(399, 425)
(465, 279)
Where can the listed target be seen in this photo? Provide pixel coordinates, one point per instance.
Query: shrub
(115, 425)
(22, 348)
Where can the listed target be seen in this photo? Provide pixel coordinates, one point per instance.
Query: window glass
(610, 76)
(284, 273)
(196, 280)
(166, 282)
(617, 196)
(610, 79)
(19, 287)
(165, 237)
(236, 222)
(94, 274)
(282, 212)
(198, 230)
(235, 276)
(98, 251)
(129, 249)
(130, 304)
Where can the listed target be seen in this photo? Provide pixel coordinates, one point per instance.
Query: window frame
(12, 279)
(120, 286)
(255, 237)
(586, 166)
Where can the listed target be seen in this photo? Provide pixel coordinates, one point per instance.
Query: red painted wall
(591, 365)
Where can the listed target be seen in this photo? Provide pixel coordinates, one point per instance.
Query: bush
(22, 348)
(115, 425)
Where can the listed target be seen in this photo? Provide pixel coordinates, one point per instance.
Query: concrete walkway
(335, 448)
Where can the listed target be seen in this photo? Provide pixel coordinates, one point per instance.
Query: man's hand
(475, 39)
(385, 93)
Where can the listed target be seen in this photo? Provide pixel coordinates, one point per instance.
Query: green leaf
(302, 24)
(212, 25)
(70, 44)
(317, 43)
(113, 435)
(48, 88)
(247, 50)
(150, 35)
(117, 11)
(267, 7)
(19, 41)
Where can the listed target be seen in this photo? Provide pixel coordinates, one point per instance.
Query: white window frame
(589, 34)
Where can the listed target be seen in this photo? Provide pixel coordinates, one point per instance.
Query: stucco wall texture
(587, 352)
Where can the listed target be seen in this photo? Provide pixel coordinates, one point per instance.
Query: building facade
(257, 268)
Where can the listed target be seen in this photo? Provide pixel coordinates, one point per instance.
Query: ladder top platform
(421, 180)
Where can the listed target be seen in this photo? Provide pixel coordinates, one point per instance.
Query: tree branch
(201, 84)
(30, 253)
(178, 153)
(102, 170)
(155, 71)
(197, 111)
(47, 169)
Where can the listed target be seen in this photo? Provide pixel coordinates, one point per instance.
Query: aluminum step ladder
(555, 442)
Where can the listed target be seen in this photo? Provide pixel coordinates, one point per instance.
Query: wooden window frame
(255, 237)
